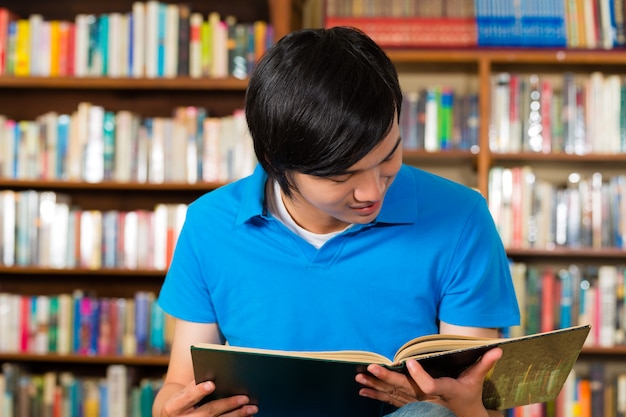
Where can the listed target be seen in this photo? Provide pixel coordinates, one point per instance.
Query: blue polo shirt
(432, 254)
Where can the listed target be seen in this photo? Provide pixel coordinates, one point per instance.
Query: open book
(532, 369)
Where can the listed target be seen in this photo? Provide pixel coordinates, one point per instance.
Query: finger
(424, 381)
(482, 367)
(187, 398)
(237, 406)
(388, 386)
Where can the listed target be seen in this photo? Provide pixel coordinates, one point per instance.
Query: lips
(367, 210)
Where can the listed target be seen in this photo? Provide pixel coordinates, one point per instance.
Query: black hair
(319, 101)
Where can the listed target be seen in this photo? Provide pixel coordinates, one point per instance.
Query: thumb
(482, 367)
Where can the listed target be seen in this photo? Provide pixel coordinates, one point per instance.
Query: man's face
(327, 204)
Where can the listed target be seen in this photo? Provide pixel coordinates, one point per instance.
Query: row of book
(93, 144)
(587, 24)
(530, 212)
(406, 23)
(154, 39)
(81, 323)
(438, 118)
(596, 391)
(44, 229)
(553, 297)
(119, 393)
(580, 115)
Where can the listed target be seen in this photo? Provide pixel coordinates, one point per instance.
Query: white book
(110, 229)
(431, 131)
(156, 165)
(152, 38)
(607, 287)
(14, 325)
(219, 60)
(94, 150)
(138, 39)
(145, 228)
(124, 121)
(49, 126)
(64, 332)
(195, 45)
(161, 211)
(49, 391)
(171, 40)
(81, 44)
(506, 213)
(42, 322)
(211, 149)
(43, 48)
(225, 147)
(117, 390)
(8, 224)
(7, 316)
(60, 231)
(608, 140)
(47, 207)
(36, 61)
(114, 46)
(131, 227)
(499, 126)
(91, 239)
(124, 45)
(7, 147)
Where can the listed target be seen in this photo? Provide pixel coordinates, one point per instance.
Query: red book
(412, 31)
(5, 17)
(25, 317)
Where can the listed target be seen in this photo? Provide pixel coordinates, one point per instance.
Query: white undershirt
(277, 208)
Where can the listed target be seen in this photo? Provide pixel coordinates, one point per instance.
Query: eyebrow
(395, 148)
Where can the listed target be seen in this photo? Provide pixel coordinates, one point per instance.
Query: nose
(370, 187)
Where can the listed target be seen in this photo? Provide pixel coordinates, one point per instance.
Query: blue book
(498, 22)
(157, 328)
(543, 24)
(103, 44)
(161, 39)
(63, 134)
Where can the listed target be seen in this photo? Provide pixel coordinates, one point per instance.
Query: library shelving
(467, 69)
(26, 97)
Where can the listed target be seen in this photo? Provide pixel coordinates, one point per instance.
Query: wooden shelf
(101, 272)
(495, 55)
(108, 185)
(82, 83)
(577, 255)
(137, 360)
(558, 157)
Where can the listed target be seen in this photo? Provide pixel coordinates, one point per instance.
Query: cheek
(392, 168)
(327, 196)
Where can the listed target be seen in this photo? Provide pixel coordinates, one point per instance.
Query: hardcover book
(532, 369)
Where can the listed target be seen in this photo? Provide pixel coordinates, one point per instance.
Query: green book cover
(532, 369)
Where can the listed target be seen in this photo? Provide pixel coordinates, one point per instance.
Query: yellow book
(22, 48)
(55, 42)
(260, 42)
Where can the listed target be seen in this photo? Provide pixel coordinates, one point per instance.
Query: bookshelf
(474, 68)
(471, 68)
(28, 97)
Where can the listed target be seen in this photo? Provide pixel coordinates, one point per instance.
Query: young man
(332, 243)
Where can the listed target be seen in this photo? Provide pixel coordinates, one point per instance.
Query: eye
(339, 178)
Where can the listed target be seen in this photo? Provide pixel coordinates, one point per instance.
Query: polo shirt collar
(400, 204)
(253, 199)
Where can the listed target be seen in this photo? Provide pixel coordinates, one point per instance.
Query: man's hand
(463, 396)
(182, 403)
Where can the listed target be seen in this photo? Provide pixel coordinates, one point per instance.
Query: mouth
(367, 210)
